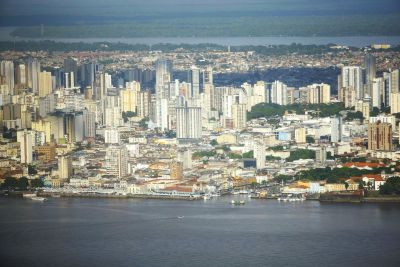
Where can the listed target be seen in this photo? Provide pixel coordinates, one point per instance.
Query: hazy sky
(160, 7)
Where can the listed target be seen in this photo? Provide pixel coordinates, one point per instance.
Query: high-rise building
(143, 104)
(239, 116)
(395, 103)
(380, 136)
(7, 71)
(163, 77)
(129, 97)
(300, 135)
(45, 84)
(64, 167)
(347, 96)
(336, 129)
(259, 154)
(71, 66)
(188, 123)
(320, 154)
(370, 68)
(111, 136)
(185, 156)
(116, 161)
(21, 75)
(26, 140)
(351, 78)
(89, 124)
(364, 107)
(176, 170)
(194, 80)
(377, 92)
(279, 93)
(208, 76)
(395, 81)
(319, 93)
(33, 74)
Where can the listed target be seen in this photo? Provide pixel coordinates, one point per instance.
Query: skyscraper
(380, 136)
(45, 83)
(370, 68)
(33, 74)
(26, 141)
(71, 65)
(7, 71)
(194, 80)
(279, 93)
(336, 129)
(259, 154)
(116, 161)
(378, 87)
(239, 116)
(188, 123)
(351, 78)
(163, 77)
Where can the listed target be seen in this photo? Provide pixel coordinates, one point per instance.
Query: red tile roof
(362, 165)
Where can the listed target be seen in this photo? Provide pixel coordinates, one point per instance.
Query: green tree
(301, 154)
(9, 183)
(35, 183)
(214, 142)
(391, 187)
(32, 169)
(248, 155)
(22, 183)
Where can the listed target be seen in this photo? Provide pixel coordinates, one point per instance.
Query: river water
(101, 232)
(356, 41)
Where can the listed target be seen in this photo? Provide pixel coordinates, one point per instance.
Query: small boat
(181, 217)
(207, 197)
(241, 202)
(41, 199)
(29, 195)
(56, 195)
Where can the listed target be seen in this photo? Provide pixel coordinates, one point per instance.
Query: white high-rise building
(336, 129)
(239, 116)
(111, 136)
(64, 167)
(113, 117)
(26, 140)
(116, 161)
(33, 74)
(188, 122)
(279, 93)
(194, 80)
(352, 78)
(377, 92)
(259, 154)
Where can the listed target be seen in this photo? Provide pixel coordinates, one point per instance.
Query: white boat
(241, 202)
(41, 199)
(181, 217)
(29, 195)
(207, 197)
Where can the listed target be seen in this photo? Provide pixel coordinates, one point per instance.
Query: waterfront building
(176, 170)
(188, 123)
(116, 161)
(26, 140)
(64, 167)
(259, 154)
